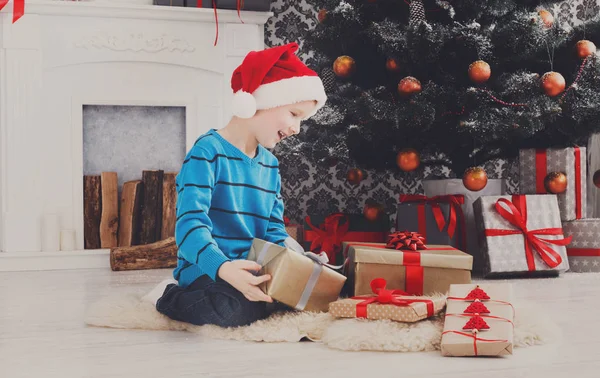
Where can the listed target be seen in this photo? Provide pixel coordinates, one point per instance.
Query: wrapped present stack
(564, 173)
(479, 321)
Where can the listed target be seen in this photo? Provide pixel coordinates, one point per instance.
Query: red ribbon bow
(385, 296)
(329, 235)
(456, 212)
(406, 240)
(517, 216)
(18, 8)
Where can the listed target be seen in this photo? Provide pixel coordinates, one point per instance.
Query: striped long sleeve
(276, 232)
(193, 228)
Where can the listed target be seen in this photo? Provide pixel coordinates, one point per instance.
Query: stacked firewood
(139, 226)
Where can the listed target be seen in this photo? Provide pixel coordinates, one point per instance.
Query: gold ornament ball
(553, 83)
(355, 176)
(479, 72)
(392, 65)
(547, 18)
(597, 178)
(408, 86)
(475, 179)
(322, 15)
(344, 66)
(555, 182)
(585, 48)
(408, 160)
(372, 211)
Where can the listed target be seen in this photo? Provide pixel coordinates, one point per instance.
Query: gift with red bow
(326, 234)
(479, 320)
(384, 303)
(521, 234)
(406, 263)
(439, 219)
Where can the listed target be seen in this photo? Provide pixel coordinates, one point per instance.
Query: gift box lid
(435, 256)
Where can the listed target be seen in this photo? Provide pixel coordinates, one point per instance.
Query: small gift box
(521, 234)
(584, 251)
(479, 321)
(336, 228)
(303, 281)
(387, 304)
(294, 230)
(416, 271)
(246, 5)
(172, 3)
(536, 164)
(439, 219)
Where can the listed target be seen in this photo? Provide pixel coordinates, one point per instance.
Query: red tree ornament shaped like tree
(476, 322)
(477, 293)
(477, 307)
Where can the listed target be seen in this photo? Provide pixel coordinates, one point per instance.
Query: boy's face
(271, 126)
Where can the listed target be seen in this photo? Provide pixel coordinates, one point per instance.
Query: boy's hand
(238, 274)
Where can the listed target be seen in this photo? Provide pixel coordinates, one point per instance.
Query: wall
(313, 189)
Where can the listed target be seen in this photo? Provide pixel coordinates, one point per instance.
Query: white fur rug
(130, 312)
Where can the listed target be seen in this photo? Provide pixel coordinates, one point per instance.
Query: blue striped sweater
(225, 200)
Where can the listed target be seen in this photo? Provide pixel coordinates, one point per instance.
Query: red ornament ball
(408, 159)
(408, 86)
(355, 176)
(322, 15)
(597, 178)
(553, 83)
(475, 179)
(372, 211)
(555, 182)
(392, 65)
(547, 18)
(344, 66)
(479, 72)
(585, 48)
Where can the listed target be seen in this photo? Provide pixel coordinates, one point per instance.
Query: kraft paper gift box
(387, 304)
(485, 307)
(299, 280)
(521, 234)
(584, 251)
(536, 164)
(425, 272)
(439, 219)
(294, 230)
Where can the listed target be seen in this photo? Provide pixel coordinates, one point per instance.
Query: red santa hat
(274, 77)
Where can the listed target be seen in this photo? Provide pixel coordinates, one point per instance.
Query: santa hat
(274, 77)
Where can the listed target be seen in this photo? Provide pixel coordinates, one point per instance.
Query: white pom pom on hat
(274, 77)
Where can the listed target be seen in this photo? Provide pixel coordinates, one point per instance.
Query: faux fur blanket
(130, 312)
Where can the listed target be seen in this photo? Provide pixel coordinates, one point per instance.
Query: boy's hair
(274, 77)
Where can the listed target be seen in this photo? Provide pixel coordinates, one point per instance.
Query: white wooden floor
(42, 334)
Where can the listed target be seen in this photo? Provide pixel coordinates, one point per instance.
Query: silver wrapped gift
(584, 250)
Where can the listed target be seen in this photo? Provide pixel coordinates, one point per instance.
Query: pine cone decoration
(328, 78)
(416, 13)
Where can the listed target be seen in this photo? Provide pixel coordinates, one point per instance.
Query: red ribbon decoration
(385, 296)
(483, 316)
(475, 338)
(406, 240)
(240, 4)
(18, 8)
(589, 252)
(456, 213)
(517, 216)
(541, 171)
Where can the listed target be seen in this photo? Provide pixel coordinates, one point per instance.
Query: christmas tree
(454, 83)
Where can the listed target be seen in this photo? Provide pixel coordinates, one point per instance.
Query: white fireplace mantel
(62, 55)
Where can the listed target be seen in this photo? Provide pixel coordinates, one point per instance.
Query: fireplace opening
(131, 155)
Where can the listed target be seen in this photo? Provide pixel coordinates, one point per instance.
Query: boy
(229, 192)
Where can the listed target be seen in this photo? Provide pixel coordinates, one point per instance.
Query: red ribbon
(240, 5)
(330, 235)
(589, 252)
(385, 296)
(541, 171)
(483, 316)
(406, 240)
(517, 216)
(475, 339)
(18, 8)
(456, 213)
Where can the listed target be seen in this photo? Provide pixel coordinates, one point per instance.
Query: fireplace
(63, 60)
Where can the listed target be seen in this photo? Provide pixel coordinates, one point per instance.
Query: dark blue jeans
(205, 301)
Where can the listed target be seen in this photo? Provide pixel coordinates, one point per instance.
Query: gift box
(479, 321)
(246, 5)
(521, 234)
(296, 231)
(424, 272)
(326, 233)
(536, 164)
(439, 219)
(172, 3)
(303, 281)
(584, 251)
(387, 304)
